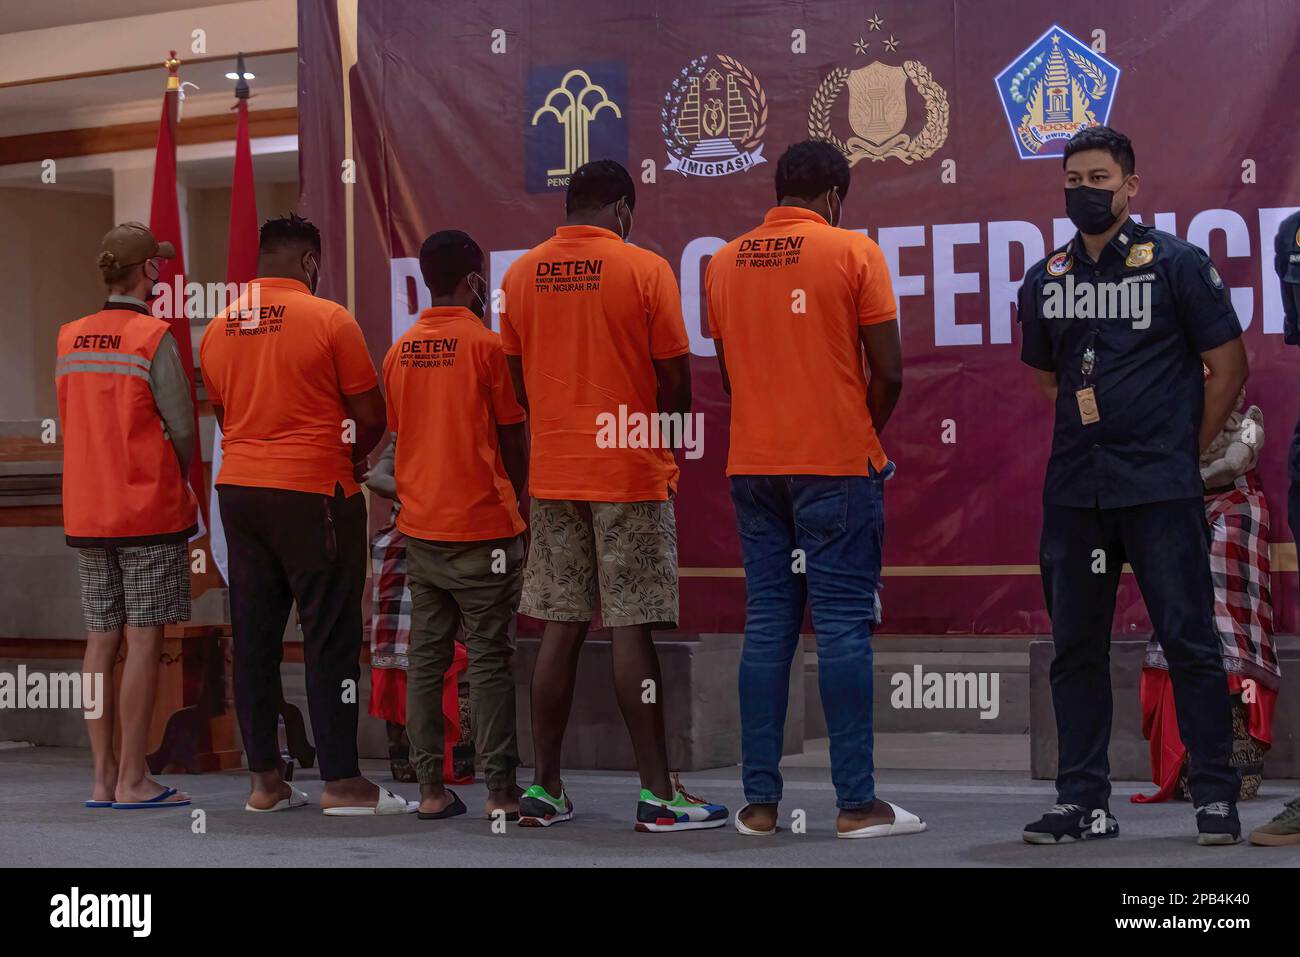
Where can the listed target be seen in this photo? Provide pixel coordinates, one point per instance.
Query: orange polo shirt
(281, 378)
(589, 314)
(448, 389)
(787, 300)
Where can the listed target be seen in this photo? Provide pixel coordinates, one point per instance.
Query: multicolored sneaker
(538, 809)
(684, 812)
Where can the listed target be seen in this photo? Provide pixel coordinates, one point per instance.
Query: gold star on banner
(891, 44)
(875, 23)
(861, 45)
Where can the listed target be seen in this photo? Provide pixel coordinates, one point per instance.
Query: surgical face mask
(313, 274)
(152, 273)
(1089, 208)
(623, 231)
(836, 208)
(480, 309)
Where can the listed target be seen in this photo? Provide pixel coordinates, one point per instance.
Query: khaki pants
(474, 585)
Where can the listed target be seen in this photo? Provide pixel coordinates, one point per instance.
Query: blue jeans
(837, 523)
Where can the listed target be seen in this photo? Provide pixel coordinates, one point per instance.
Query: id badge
(1087, 400)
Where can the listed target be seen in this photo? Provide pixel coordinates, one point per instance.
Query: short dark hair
(1119, 146)
(597, 184)
(447, 257)
(807, 170)
(288, 232)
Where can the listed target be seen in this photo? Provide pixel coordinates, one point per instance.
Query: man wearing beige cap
(127, 421)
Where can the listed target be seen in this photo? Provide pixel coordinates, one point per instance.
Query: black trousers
(1167, 543)
(287, 547)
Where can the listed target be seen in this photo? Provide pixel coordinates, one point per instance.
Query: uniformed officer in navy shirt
(1117, 324)
(1285, 828)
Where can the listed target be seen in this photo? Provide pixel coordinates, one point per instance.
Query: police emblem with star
(714, 117)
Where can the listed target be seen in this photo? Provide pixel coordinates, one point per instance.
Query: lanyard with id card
(1086, 396)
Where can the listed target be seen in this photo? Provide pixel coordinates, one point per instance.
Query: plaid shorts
(139, 585)
(625, 551)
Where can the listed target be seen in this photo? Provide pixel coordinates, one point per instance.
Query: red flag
(241, 254)
(165, 224)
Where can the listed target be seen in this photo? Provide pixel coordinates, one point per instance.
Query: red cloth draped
(388, 701)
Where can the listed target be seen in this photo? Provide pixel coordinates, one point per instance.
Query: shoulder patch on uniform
(1140, 254)
(1215, 280)
(1059, 264)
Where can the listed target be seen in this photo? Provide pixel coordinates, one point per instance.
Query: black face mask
(1089, 209)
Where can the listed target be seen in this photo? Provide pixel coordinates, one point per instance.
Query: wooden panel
(56, 144)
(31, 516)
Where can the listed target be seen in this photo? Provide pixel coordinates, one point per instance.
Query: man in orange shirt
(299, 405)
(794, 305)
(461, 468)
(593, 331)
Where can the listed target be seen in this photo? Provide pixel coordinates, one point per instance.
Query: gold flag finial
(173, 78)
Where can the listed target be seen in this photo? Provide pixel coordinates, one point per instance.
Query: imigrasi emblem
(877, 107)
(1056, 87)
(714, 117)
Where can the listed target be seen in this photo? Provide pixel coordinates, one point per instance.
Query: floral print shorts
(625, 551)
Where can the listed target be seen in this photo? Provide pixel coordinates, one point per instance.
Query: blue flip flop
(99, 804)
(159, 801)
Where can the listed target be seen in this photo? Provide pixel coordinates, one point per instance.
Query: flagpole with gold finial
(173, 64)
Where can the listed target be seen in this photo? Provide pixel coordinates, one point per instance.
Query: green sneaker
(1282, 830)
(538, 809)
(684, 812)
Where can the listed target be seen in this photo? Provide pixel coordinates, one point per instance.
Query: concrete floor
(975, 820)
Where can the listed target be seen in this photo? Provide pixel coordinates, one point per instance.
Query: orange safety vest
(122, 482)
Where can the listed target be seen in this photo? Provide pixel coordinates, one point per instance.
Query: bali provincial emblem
(713, 118)
(1056, 87)
(877, 112)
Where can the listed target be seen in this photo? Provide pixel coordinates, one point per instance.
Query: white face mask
(474, 288)
(313, 277)
(623, 232)
(836, 209)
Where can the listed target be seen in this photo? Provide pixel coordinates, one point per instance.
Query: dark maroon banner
(419, 116)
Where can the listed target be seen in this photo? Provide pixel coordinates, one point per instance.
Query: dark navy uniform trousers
(1167, 543)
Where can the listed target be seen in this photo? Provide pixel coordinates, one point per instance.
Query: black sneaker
(1071, 822)
(1218, 823)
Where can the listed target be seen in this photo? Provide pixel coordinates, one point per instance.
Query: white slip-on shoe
(905, 822)
(388, 803)
(296, 798)
(749, 831)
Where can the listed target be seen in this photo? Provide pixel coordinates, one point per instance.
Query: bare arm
(516, 366)
(884, 354)
(722, 366)
(674, 377)
(381, 478)
(1228, 373)
(1047, 383)
(513, 440)
(367, 410)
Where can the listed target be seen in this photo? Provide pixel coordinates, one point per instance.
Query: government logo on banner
(574, 115)
(875, 108)
(714, 117)
(1058, 86)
